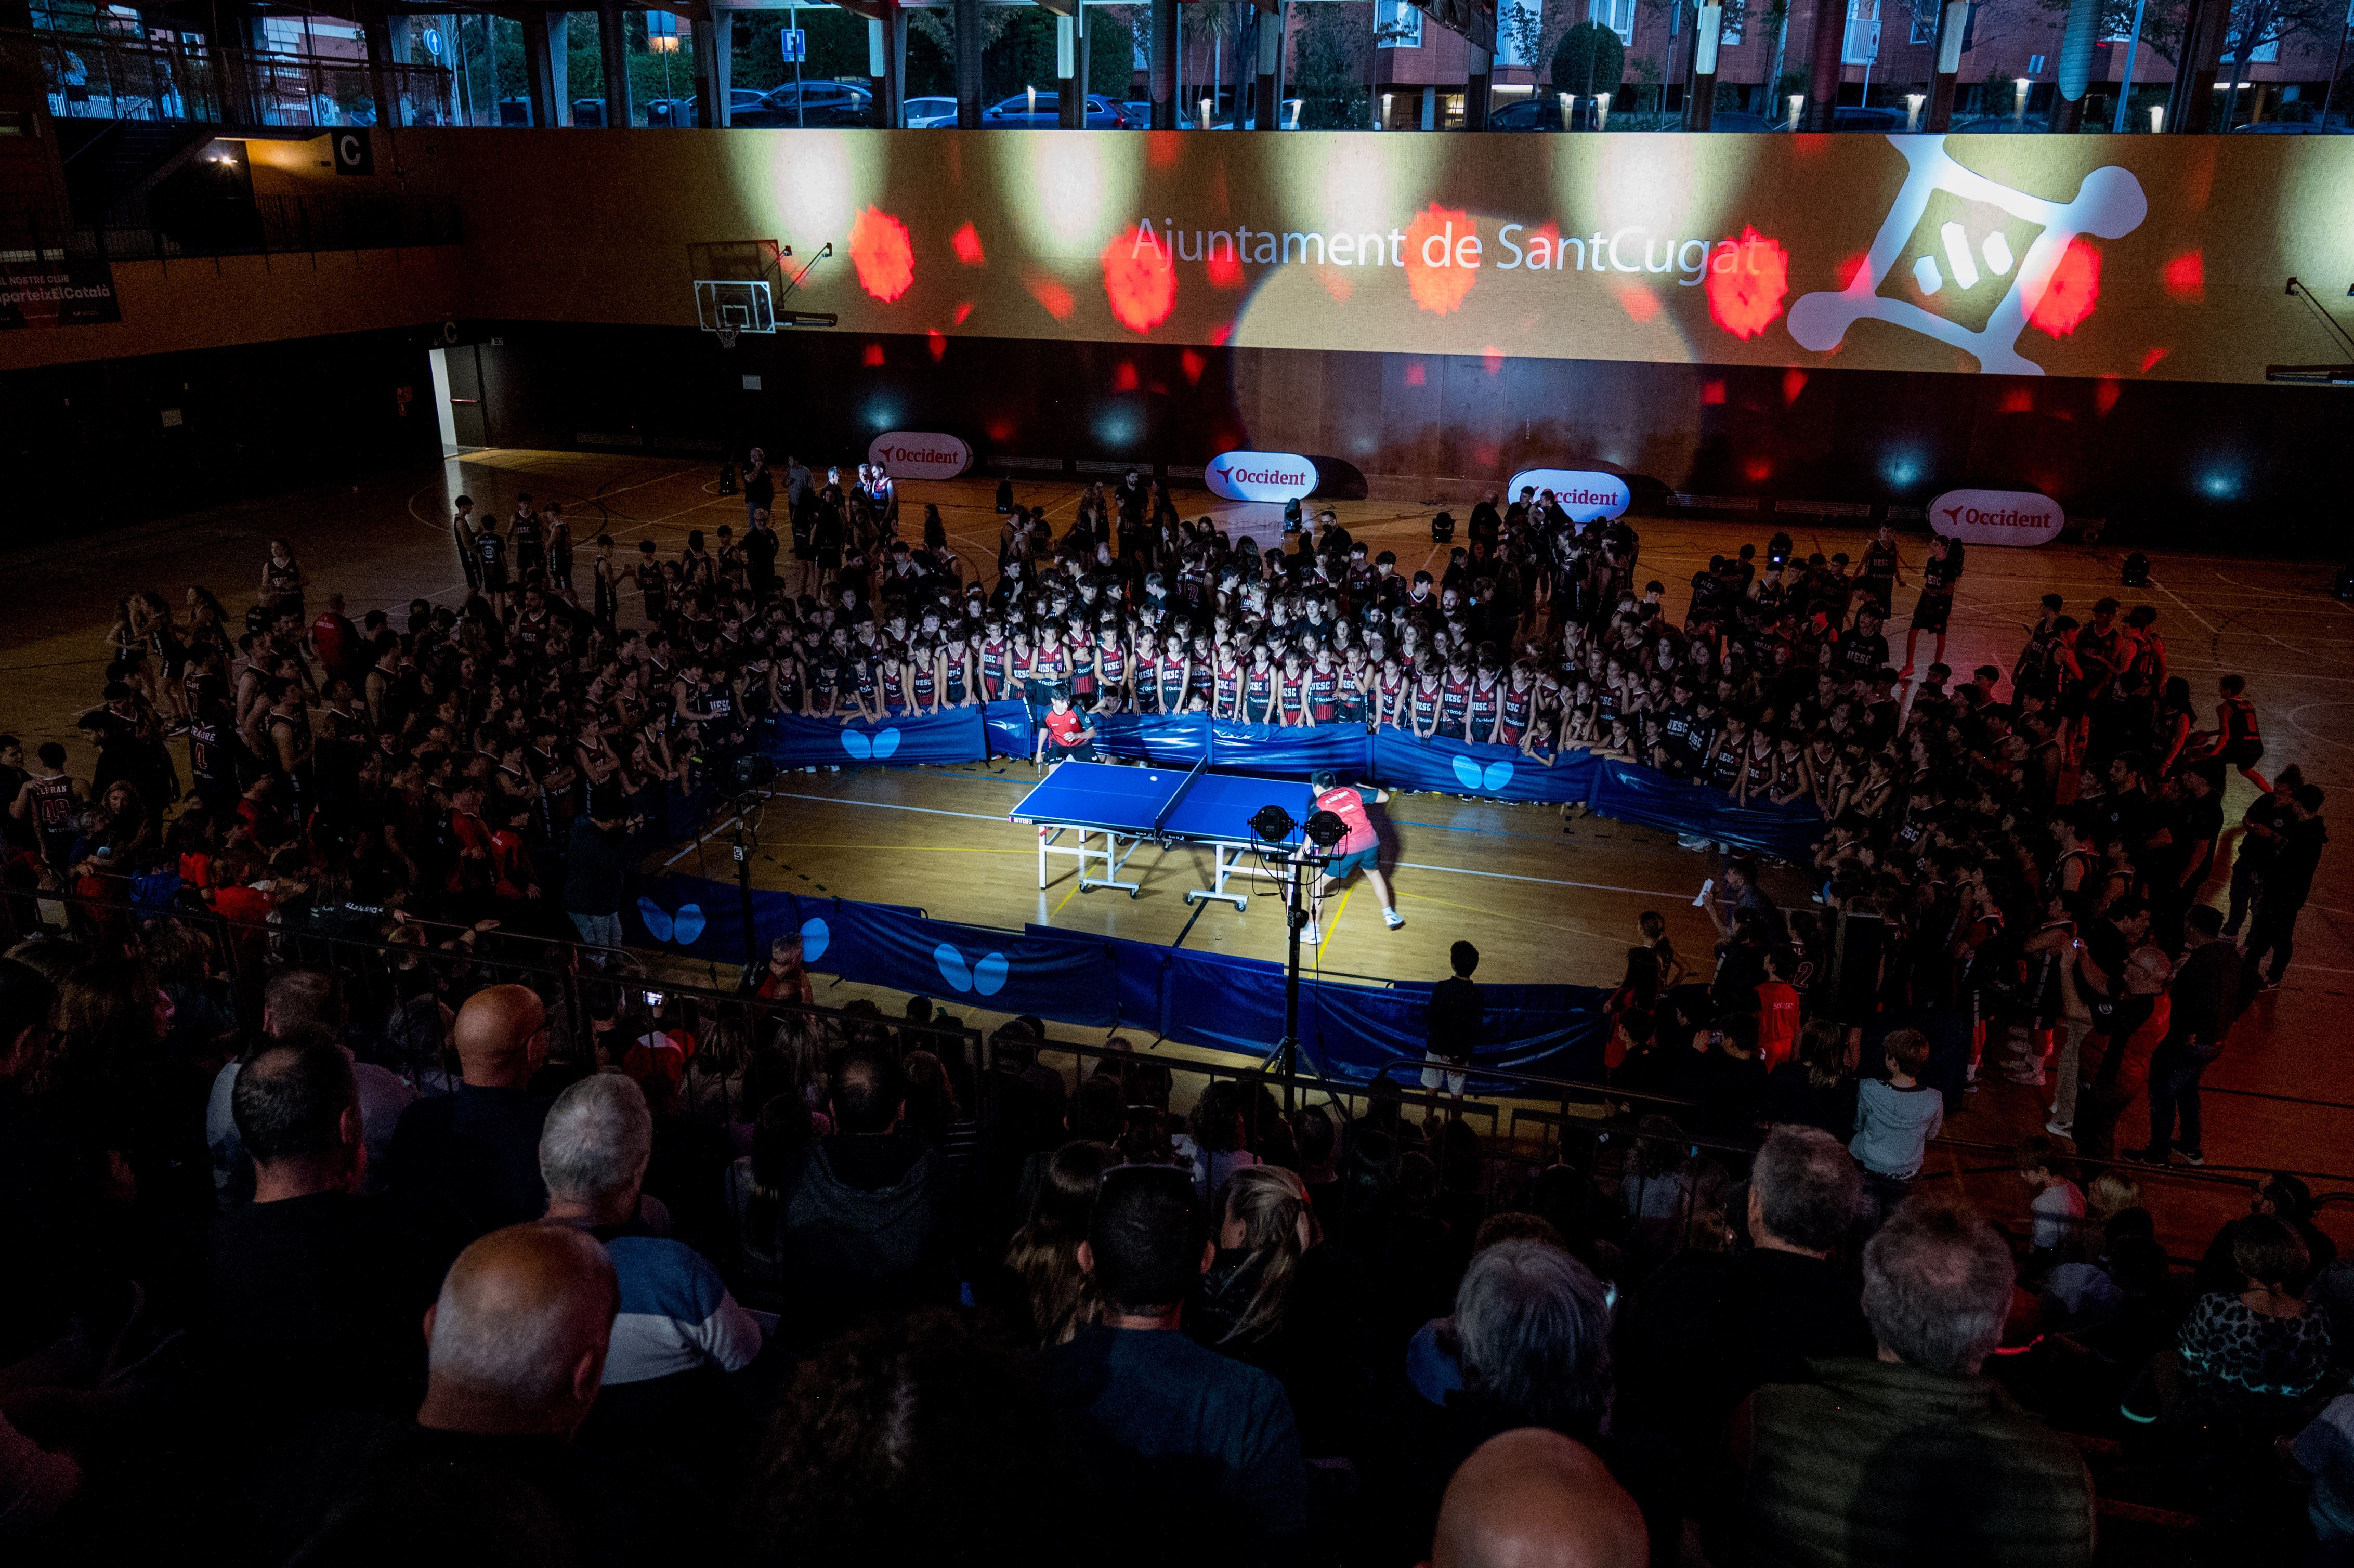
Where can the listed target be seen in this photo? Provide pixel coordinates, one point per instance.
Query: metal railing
(110, 75)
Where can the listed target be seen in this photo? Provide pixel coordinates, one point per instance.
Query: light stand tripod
(1273, 824)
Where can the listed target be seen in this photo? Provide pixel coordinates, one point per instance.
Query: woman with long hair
(1043, 1260)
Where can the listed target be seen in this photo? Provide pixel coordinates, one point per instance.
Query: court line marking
(1403, 864)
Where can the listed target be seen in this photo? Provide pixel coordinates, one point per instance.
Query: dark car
(812, 104)
(1044, 111)
(1541, 113)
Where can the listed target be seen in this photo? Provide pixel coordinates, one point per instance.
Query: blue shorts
(1361, 860)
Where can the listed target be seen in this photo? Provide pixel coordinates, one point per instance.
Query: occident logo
(919, 454)
(1997, 516)
(1259, 476)
(1584, 493)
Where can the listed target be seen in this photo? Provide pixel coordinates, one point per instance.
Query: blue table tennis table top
(1161, 802)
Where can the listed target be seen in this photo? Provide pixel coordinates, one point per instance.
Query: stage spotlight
(1273, 824)
(1324, 829)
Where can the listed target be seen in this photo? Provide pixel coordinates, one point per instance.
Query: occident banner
(1584, 493)
(919, 454)
(1259, 476)
(2079, 255)
(1997, 516)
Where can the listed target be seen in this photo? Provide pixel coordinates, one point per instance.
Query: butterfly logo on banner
(1487, 780)
(682, 928)
(986, 976)
(876, 748)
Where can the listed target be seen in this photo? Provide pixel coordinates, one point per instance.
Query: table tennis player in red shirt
(1359, 850)
(1064, 733)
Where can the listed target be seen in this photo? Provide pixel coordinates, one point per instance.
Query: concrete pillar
(966, 15)
(887, 63)
(1476, 78)
(1271, 71)
(1164, 65)
(1952, 23)
(1071, 84)
(612, 43)
(710, 67)
(538, 67)
(1700, 98)
(1823, 63)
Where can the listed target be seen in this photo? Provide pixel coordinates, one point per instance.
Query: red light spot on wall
(2186, 276)
(1000, 429)
(873, 358)
(1711, 394)
(1225, 269)
(2105, 394)
(2074, 290)
(957, 316)
(1433, 250)
(884, 255)
(1793, 383)
(1756, 471)
(1639, 303)
(1747, 283)
(1160, 148)
(2018, 400)
(2149, 361)
(1414, 373)
(1124, 378)
(937, 342)
(1484, 456)
(1336, 284)
(1219, 334)
(1140, 278)
(1055, 298)
(1193, 365)
(967, 241)
(1493, 358)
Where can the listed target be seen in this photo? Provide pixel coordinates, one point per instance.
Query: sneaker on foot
(1311, 936)
(2028, 1080)
(1393, 919)
(2191, 1156)
(2142, 1155)
(2059, 1128)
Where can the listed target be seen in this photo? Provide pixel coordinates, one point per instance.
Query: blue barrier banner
(1062, 976)
(1629, 794)
(1178, 740)
(1008, 730)
(1282, 753)
(1402, 762)
(955, 735)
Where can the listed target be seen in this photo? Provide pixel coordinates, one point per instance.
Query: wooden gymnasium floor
(1542, 904)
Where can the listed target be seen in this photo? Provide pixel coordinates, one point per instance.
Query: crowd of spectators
(304, 1279)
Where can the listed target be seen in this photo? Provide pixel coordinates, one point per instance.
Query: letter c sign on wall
(1260, 476)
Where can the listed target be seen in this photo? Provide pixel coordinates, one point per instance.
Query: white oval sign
(1259, 476)
(1997, 516)
(1584, 493)
(919, 454)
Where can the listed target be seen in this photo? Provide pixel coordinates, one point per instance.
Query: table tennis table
(1110, 811)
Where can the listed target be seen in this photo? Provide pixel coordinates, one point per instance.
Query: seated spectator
(1280, 1298)
(2058, 1205)
(468, 1163)
(1915, 1456)
(487, 1472)
(918, 1443)
(1533, 1497)
(1815, 1088)
(867, 1226)
(1706, 1330)
(677, 1327)
(1219, 1137)
(1050, 1295)
(1434, 1359)
(2325, 1451)
(312, 1294)
(2284, 1197)
(2247, 1356)
(294, 999)
(1212, 1441)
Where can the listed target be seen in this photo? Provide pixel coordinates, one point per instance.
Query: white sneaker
(1393, 919)
(2059, 1128)
(1311, 936)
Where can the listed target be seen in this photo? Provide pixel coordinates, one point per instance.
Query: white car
(924, 113)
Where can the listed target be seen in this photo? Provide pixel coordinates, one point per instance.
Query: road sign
(433, 42)
(795, 42)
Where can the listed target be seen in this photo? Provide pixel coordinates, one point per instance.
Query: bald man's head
(501, 1037)
(518, 1335)
(1534, 1499)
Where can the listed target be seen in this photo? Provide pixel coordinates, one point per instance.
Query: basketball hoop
(727, 336)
